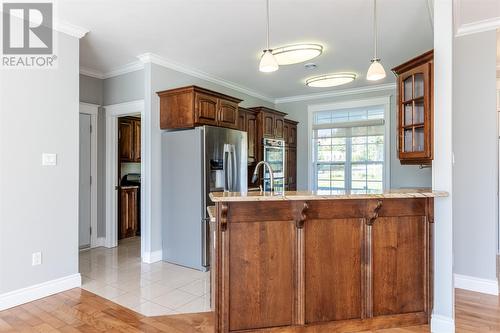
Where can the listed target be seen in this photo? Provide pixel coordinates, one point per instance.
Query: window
(349, 149)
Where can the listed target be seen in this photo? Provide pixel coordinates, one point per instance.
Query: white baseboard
(32, 293)
(479, 285)
(101, 241)
(442, 324)
(152, 257)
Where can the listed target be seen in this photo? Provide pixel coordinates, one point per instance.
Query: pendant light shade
(268, 62)
(376, 71)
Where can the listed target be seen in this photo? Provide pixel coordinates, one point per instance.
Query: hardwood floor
(78, 310)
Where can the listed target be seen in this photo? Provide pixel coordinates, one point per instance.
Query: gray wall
(124, 88)
(162, 78)
(39, 205)
(91, 90)
(401, 175)
(475, 145)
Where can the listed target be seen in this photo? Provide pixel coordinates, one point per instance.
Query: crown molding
(158, 60)
(128, 68)
(479, 26)
(131, 67)
(71, 29)
(91, 72)
(335, 93)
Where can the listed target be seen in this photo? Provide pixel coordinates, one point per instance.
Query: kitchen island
(305, 262)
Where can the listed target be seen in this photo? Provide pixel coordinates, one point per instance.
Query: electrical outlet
(36, 259)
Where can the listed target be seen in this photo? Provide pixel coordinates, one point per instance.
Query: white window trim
(384, 100)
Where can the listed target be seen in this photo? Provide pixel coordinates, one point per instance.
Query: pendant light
(376, 71)
(268, 62)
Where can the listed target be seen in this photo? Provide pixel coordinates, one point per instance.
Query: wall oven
(274, 154)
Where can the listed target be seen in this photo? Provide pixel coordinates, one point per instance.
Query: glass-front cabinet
(415, 110)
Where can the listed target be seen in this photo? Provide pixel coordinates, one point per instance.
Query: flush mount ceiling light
(268, 62)
(376, 71)
(330, 80)
(294, 54)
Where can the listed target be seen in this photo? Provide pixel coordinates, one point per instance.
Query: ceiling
(224, 38)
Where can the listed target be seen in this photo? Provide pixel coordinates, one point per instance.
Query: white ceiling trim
(479, 26)
(91, 72)
(335, 93)
(131, 67)
(158, 60)
(71, 29)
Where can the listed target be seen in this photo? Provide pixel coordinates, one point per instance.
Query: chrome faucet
(271, 173)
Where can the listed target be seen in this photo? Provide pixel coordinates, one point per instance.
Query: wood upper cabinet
(290, 133)
(126, 140)
(267, 125)
(415, 110)
(270, 123)
(247, 122)
(279, 122)
(205, 109)
(128, 217)
(228, 114)
(137, 140)
(192, 106)
(129, 139)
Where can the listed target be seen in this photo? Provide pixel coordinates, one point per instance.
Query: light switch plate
(49, 159)
(36, 259)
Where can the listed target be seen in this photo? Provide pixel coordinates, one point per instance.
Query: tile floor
(150, 289)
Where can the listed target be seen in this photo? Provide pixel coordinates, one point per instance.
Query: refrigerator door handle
(226, 167)
(234, 167)
(229, 166)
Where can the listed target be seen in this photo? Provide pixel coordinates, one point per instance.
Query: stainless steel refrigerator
(196, 162)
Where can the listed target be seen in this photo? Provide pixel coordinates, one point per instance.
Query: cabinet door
(286, 132)
(333, 287)
(128, 213)
(251, 128)
(242, 120)
(292, 138)
(268, 124)
(205, 109)
(399, 265)
(126, 140)
(258, 251)
(137, 141)
(279, 123)
(415, 114)
(228, 114)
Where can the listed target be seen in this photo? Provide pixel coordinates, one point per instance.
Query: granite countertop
(211, 213)
(127, 187)
(309, 195)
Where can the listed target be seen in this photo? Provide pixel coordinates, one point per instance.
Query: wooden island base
(323, 265)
